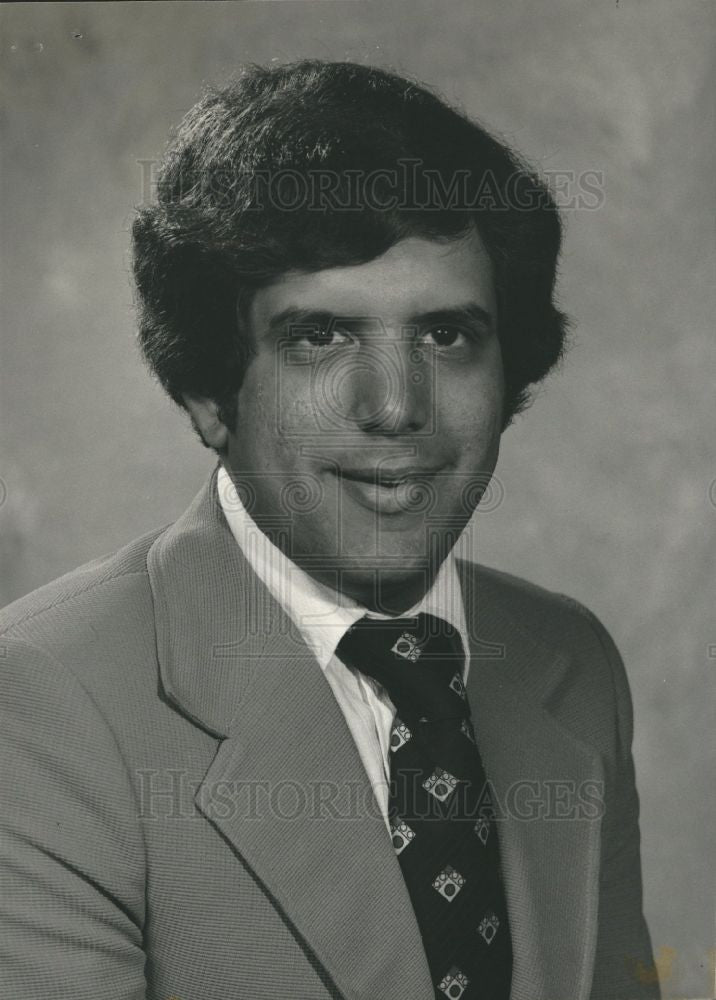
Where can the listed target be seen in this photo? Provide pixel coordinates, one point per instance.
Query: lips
(385, 490)
(387, 476)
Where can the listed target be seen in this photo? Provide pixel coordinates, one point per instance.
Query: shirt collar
(322, 614)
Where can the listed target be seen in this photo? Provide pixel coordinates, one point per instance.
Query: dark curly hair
(322, 164)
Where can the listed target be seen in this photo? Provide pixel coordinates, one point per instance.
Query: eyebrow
(470, 312)
(293, 316)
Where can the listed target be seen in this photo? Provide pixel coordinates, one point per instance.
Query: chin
(401, 585)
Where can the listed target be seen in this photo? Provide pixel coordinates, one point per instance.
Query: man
(290, 746)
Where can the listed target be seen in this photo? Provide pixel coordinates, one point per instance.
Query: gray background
(608, 480)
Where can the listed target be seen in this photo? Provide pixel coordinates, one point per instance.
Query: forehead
(414, 276)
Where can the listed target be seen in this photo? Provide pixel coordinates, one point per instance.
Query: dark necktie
(441, 815)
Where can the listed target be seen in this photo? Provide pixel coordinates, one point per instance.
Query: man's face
(370, 417)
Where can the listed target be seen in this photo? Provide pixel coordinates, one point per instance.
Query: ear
(205, 418)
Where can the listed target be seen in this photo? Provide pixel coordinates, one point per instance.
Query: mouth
(385, 490)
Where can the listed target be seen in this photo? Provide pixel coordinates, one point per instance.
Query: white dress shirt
(323, 616)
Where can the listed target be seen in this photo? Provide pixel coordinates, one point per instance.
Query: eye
(323, 335)
(447, 335)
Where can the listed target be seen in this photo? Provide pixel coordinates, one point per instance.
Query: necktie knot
(418, 660)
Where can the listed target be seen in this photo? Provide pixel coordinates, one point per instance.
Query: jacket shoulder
(80, 587)
(93, 627)
(549, 616)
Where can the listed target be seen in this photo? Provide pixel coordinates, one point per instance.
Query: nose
(388, 390)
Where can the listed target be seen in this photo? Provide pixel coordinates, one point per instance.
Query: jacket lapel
(550, 861)
(287, 788)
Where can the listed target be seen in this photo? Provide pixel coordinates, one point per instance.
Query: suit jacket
(185, 814)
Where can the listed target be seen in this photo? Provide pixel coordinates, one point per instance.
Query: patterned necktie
(441, 816)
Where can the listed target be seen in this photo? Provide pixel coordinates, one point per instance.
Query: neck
(378, 591)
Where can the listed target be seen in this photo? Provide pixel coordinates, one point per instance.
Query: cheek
(471, 413)
(272, 402)
(297, 413)
(288, 401)
(489, 414)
